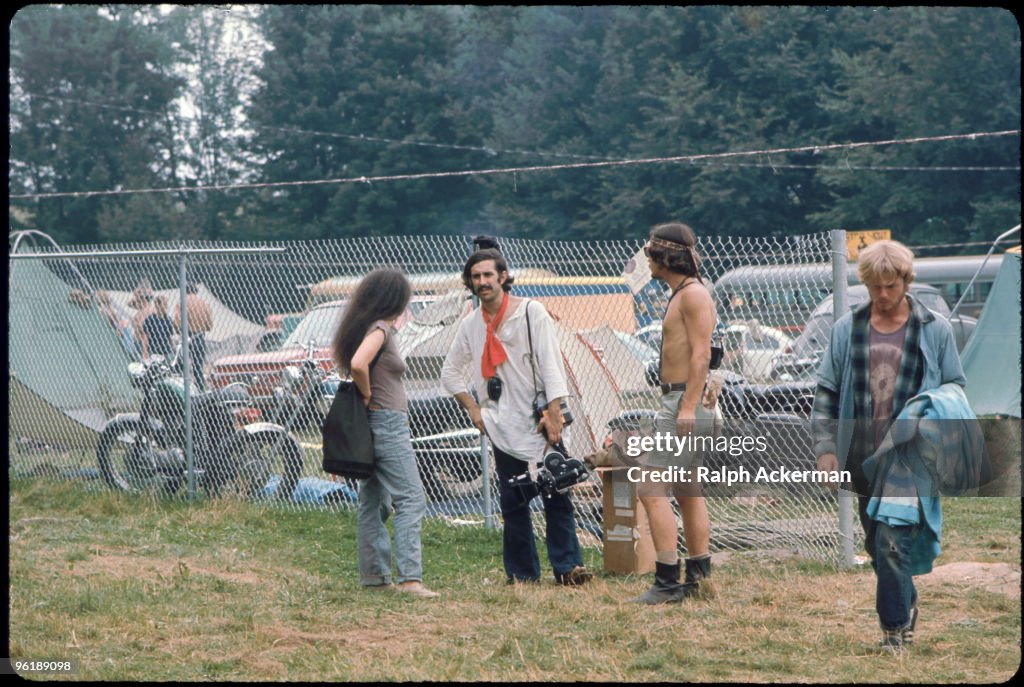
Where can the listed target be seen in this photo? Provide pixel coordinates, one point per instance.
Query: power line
(492, 150)
(859, 168)
(489, 150)
(818, 148)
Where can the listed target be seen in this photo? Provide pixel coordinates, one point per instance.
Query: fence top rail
(123, 253)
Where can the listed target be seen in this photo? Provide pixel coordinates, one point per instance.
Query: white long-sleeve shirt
(509, 421)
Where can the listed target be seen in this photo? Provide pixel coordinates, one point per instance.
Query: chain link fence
(86, 400)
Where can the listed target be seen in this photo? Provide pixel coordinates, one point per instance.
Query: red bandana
(494, 352)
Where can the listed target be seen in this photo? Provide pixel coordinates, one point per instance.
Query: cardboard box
(628, 547)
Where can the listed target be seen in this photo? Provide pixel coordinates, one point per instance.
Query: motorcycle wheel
(126, 462)
(448, 479)
(308, 417)
(252, 461)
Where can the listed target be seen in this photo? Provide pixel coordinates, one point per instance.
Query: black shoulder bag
(347, 440)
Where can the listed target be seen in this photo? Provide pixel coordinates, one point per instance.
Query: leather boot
(666, 589)
(698, 570)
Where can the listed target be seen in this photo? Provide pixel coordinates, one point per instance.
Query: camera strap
(560, 447)
(529, 335)
(716, 355)
(661, 348)
(566, 415)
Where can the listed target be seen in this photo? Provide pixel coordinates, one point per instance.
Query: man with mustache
(492, 349)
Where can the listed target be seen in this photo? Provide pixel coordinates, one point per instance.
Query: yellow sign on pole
(857, 240)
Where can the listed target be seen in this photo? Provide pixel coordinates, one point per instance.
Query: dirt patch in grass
(366, 636)
(119, 565)
(998, 578)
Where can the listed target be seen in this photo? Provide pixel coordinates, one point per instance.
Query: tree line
(107, 97)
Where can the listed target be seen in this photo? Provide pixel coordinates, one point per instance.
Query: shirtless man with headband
(685, 358)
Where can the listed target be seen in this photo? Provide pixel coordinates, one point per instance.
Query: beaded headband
(668, 245)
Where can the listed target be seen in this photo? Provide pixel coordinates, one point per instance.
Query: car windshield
(815, 335)
(318, 326)
(640, 350)
(933, 300)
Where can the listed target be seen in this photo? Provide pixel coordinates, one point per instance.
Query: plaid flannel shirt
(826, 401)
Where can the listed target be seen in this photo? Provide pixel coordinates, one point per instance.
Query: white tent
(231, 333)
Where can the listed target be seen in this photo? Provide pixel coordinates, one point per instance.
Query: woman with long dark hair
(365, 346)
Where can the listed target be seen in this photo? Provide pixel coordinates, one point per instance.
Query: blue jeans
(889, 548)
(395, 483)
(519, 547)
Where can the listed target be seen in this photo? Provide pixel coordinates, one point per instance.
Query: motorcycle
(234, 451)
(447, 457)
(301, 399)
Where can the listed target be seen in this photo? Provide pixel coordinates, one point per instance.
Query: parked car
(801, 362)
(650, 335)
(636, 346)
(261, 371)
(749, 348)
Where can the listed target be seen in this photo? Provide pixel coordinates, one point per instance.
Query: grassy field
(133, 589)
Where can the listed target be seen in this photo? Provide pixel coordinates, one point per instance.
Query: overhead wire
(489, 150)
(816, 148)
(494, 150)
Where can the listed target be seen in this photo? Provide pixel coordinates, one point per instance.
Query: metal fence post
(839, 308)
(485, 466)
(186, 363)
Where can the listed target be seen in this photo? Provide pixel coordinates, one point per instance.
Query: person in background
(365, 346)
(157, 330)
(121, 323)
(142, 302)
(200, 321)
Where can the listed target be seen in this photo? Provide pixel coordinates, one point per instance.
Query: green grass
(136, 589)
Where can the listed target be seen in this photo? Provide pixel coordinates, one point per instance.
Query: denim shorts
(665, 424)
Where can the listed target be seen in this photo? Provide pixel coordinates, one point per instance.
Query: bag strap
(380, 352)
(661, 348)
(529, 335)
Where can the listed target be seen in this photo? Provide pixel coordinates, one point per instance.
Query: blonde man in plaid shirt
(880, 356)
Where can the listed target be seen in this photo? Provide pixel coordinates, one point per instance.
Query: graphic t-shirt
(886, 356)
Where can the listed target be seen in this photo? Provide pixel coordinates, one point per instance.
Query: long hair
(885, 260)
(500, 265)
(673, 246)
(382, 295)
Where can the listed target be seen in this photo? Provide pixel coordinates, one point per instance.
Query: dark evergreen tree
(374, 77)
(933, 72)
(91, 92)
